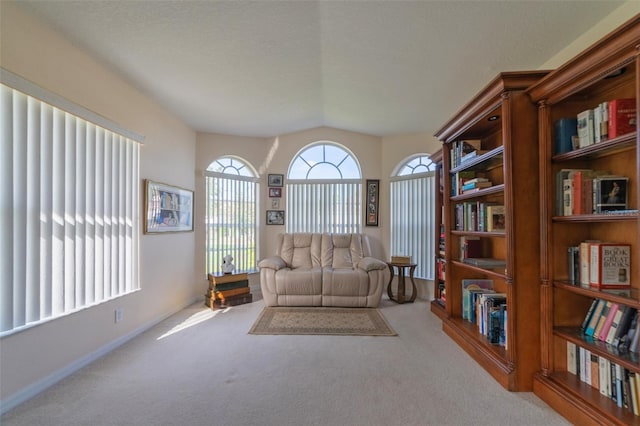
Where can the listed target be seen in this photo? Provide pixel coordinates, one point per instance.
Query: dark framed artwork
(275, 217)
(275, 192)
(372, 202)
(275, 180)
(167, 208)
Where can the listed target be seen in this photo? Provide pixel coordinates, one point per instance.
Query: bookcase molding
(504, 119)
(609, 69)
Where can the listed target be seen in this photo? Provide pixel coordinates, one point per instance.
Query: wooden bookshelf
(607, 70)
(504, 119)
(438, 304)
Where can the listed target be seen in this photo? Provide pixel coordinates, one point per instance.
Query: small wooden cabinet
(502, 121)
(608, 70)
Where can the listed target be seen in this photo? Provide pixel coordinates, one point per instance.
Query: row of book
(600, 264)
(614, 324)
(586, 191)
(481, 305)
(609, 378)
(464, 150)
(228, 290)
(479, 216)
(606, 121)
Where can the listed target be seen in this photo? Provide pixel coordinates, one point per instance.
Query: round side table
(402, 267)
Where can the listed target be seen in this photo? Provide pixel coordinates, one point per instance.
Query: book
(585, 261)
(610, 193)
(234, 301)
(622, 117)
(470, 247)
(595, 371)
(467, 286)
(595, 317)
(585, 128)
(564, 131)
(603, 317)
(467, 186)
(225, 294)
(587, 317)
(604, 331)
(495, 218)
(226, 278)
(624, 324)
(610, 265)
(486, 262)
(614, 325)
(561, 176)
(573, 264)
(231, 285)
(603, 379)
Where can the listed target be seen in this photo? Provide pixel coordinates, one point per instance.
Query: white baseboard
(34, 389)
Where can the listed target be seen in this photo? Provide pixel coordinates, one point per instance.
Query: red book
(622, 117)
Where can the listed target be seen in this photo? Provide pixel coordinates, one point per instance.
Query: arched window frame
(324, 204)
(238, 235)
(412, 196)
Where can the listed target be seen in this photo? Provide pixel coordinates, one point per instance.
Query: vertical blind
(231, 221)
(70, 212)
(412, 221)
(334, 207)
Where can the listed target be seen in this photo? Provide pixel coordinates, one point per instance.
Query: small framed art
(275, 192)
(167, 208)
(276, 180)
(275, 217)
(373, 198)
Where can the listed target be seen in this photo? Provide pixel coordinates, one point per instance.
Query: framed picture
(372, 201)
(276, 180)
(275, 217)
(275, 192)
(167, 208)
(275, 203)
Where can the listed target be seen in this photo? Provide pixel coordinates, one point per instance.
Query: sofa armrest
(274, 262)
(371, 264)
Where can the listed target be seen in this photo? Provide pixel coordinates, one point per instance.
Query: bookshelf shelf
(606, 71)
(500, 121)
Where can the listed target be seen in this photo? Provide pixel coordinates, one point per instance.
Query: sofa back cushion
(300, 250)
(341, 250)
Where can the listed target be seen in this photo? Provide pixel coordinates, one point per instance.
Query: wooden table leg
(413, 283)
(390, 281)
(401, 285)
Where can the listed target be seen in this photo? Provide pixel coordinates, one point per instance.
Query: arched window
(324, 190)
(412, 215)
(231, 214)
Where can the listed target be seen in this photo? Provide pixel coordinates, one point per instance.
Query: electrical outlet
(118, 315)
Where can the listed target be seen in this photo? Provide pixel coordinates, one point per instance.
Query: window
(70, 238)
(412, 216)
(324, 190)
(231, 214)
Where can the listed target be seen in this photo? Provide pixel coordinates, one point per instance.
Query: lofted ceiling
(265, 68)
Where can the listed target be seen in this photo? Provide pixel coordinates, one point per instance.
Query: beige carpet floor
(322, 320)
(201, 367)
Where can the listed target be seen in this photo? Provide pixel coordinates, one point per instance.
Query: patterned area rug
(331, 321)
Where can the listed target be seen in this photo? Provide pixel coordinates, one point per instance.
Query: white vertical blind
(324, 206)
(412, 219)
(70, 211)
(231, 221)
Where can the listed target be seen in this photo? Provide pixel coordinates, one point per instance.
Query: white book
(603, 379)
(585, 128)
(597, 122)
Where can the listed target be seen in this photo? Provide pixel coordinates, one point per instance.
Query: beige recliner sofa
(322, 270)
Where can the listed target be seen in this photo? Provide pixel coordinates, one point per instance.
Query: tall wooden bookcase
(439, 302)
(504, 119)
(610, 69)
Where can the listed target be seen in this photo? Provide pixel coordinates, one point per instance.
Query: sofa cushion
(300, 281)
(341, 250)
(301, 250)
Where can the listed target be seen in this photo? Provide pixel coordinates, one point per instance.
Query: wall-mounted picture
(167, 208)
(276, 180)
(275, 217)
(275, 192)
(275, 203)
(372, 201)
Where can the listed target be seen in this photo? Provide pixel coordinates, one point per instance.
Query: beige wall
(34, 356)
(171, 265)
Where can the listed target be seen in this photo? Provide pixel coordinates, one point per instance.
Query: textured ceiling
(264, 68)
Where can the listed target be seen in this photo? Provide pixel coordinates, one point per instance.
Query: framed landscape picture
(275, 217)
(167, 208)
(276, 180)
